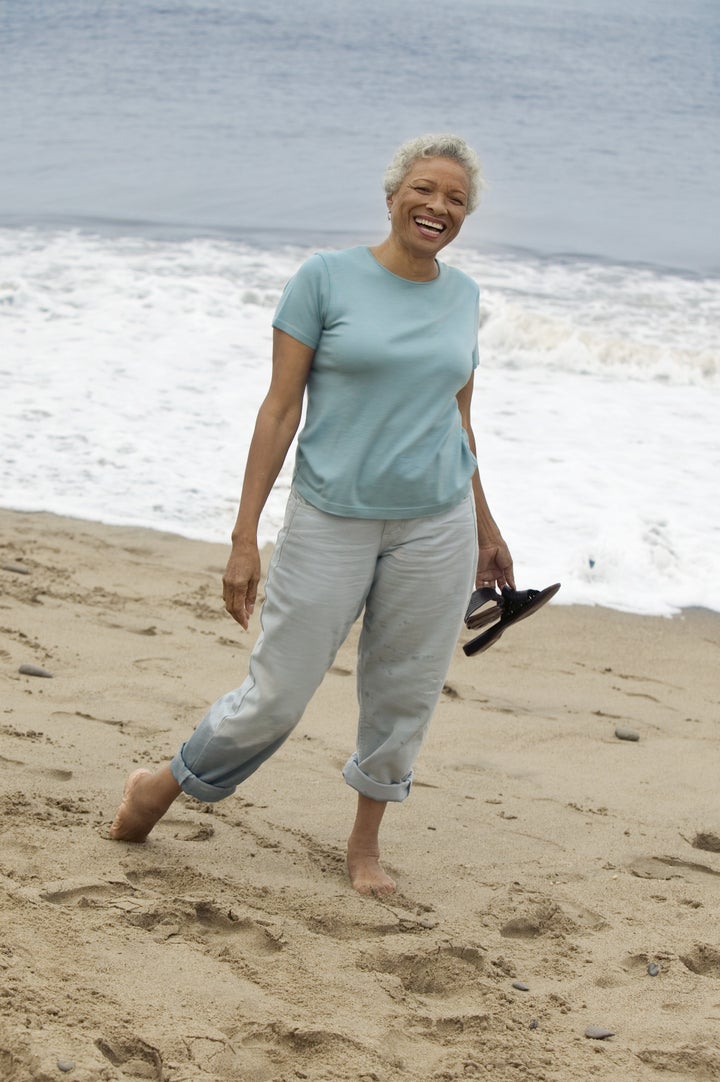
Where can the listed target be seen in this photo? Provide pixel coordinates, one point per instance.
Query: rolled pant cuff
(193, 786)
(375, 790)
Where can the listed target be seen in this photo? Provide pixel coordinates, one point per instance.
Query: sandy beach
(552, 877)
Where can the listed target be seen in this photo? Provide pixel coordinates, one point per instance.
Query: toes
(125, 826)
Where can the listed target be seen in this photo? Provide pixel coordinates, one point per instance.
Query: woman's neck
(405, 264)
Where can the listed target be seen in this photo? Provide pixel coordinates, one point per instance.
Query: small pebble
(17, 568)
(653, 969)
(66, 1065)
(599, 1033)
(626, 734)
(34, 670)
(534, 1024)
(520, 986)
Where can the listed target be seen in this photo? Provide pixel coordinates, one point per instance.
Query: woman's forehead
(434, 168)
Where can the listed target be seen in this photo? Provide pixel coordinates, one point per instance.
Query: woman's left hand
(495, 566)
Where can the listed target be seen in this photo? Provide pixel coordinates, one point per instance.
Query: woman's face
(429, 208)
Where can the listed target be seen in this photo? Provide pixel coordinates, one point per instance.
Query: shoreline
(536, 848)
(10, 514)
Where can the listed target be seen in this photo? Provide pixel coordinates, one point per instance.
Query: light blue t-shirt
(382, 436)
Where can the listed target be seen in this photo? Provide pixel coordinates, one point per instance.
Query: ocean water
(167, 165)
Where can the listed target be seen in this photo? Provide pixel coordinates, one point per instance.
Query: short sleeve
(302, 308)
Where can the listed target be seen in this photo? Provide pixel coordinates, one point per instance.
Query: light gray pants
(412, 576)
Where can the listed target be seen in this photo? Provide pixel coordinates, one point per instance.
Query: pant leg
(413, 615)
(318, 579)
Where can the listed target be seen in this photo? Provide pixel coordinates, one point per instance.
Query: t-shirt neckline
(399, 277)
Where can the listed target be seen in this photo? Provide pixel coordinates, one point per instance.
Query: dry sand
(536, 848)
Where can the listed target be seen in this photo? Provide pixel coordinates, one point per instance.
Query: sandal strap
(482, 596)
(517, 600)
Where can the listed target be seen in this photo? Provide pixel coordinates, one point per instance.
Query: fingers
(240, 600)
(495, 566)
(251, 596)
(508, 576)
(240, 582)
(235, 604)
(505, 562)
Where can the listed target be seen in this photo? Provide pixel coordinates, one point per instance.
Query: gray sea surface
(597, 120)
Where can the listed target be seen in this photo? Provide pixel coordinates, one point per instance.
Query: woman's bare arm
(277, 422)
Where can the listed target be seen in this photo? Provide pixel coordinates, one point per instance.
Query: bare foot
(146, 798)
(367, 875)
(363, 850)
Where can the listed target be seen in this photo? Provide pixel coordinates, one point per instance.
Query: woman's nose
(436, 203)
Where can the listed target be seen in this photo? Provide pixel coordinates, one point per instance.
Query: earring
(389, 216)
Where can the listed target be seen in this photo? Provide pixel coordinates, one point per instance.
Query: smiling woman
(430, 185)
(386, 516)
(427, 212)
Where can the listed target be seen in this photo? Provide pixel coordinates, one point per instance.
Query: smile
(436, 228)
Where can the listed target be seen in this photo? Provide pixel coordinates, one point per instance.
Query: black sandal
(486, 604)
(510, 606)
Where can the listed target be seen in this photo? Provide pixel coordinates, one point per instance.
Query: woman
(386, 515)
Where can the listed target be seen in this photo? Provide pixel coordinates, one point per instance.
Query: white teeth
(430, 225)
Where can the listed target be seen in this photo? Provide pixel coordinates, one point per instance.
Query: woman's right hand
(241, 580)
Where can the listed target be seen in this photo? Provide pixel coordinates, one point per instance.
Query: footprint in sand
(638, 963)
(57, 773)
(10, 762)
(443, 971)
(262, 938)
(707, 840)
(158, 663)
(316, 1044)
(164, 899)
(543, 916)
(359, 921)
(197, 834)
(121, 724)
(703, 960)
(688, 1062)
(80, 892)
(669, 868)
(136, 1057)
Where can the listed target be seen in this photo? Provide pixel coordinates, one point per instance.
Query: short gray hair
(444, 145)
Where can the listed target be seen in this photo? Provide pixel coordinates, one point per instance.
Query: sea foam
(132, 370)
